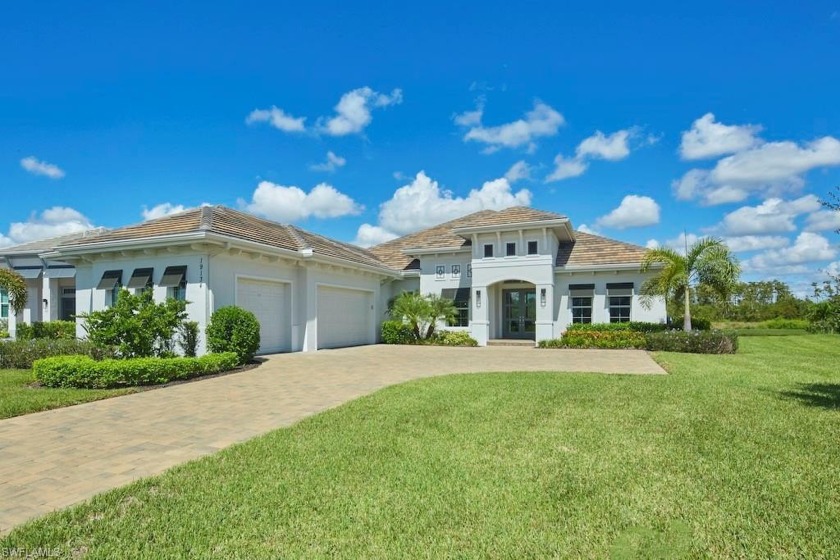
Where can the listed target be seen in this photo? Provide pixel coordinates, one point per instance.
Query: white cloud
(809, 247)
(755, 242)
(52, 222)
(423, 203)
(566, 168)
(679, 242)
(291, 204)
(162, 210)
(277, 118)
(333, 162)
(586, 229)
(774, 215)
(353, 111)
(600, 146)
(369, 235)
(518, 171)
(539, 122)
(38, 167)
(823, 220)
(634, 211)
(470, 118)
(708, 138)
(652, 244)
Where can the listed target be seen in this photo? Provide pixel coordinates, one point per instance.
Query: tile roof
(43, 245)
(238, 225)
(588, 249)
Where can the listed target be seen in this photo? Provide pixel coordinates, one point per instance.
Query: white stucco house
(518, 273)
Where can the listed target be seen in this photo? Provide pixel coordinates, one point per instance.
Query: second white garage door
(267, 300)
(345, 317)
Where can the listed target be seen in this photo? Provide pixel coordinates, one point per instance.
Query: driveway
(50, 460)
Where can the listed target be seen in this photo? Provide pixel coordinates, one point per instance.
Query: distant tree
(15, 286)
(708, 263)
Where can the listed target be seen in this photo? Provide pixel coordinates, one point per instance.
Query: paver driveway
(52, 459)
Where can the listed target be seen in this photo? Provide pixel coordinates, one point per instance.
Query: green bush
(613, 339)
(695, 342)
(397, 332)
(20, 354)
(636, 326)
(697, 324)
(188, 333)
(233, 329)
(454, 338)
(49, 329)
(86, 373)
(781, 323)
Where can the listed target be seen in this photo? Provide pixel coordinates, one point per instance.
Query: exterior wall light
(542, 297)
(478, 298)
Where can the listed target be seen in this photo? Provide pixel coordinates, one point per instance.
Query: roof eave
(551, 224)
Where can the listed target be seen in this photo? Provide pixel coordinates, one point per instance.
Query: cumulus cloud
(755, 242)
(368, 236)
(353, 111)
(332, 163)
(809, 247)
(586, 229)
(610, 147)
(38, 167)
(634, 211)
(52, 222)
(652, 244)
(518, 171)
(292, 204)
(823, 220)
(707, 138)
(541, 121)
(679, 242)
(277, 118)
(774, 215)
(162, 210)
(423, 203)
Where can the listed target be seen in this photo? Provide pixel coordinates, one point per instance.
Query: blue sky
(637, 121)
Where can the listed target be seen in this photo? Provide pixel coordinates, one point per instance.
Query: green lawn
(18, 396)
(729, 456)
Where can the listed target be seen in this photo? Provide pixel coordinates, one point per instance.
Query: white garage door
(345, 317)
(266, 300)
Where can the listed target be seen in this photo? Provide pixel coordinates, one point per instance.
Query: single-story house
(518, 273)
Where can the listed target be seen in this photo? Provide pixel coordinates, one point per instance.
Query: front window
(620, 309)
(581, 309)
(461, 300)
(4, 304)
(179, 292)
(510, 249)
(112, 296)
(488, 250)
(532, 248)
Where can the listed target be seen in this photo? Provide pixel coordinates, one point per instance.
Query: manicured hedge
(697, 324)
(597, 339)
(695, 342)
(20, 354)
(233, 329)
(636, 326)
(454, 338)
(87, 373)
(397, 332)
(49, 329)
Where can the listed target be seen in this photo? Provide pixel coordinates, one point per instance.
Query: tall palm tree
(708, 262)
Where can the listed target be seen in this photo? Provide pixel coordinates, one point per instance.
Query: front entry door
(519, 314)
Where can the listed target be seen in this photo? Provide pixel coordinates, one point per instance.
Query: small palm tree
(708, 263)
(440, 309)
(412, 308)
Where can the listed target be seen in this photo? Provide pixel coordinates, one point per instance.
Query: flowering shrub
(597, 339)
(695, 342)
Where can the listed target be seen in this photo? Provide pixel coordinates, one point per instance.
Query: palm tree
(412, 308)
(708, 263)
(440, 309)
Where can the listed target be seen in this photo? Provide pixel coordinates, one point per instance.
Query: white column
(480, 324)
(51, 293)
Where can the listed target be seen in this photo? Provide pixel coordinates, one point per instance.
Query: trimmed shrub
(695, 342)
(188, 338)
(454, 338)
(635, 326)
(233, 329)
(697, 324)
(49, 329)
(613, 339)
(398, 332)
(86, 373)
(20, 354)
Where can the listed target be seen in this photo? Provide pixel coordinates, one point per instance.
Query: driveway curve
(50, 460)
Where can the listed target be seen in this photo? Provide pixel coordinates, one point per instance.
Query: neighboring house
(50, 283)
(515, 273)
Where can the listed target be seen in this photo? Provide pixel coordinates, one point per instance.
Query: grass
(729, 456)
(18, 395)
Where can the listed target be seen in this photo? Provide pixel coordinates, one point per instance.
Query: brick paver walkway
(53, 459)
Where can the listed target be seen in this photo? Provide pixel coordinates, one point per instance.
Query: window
(510, 249)
(469, 270)
(112, 295)
(440, 272)
(488, 250)
(111, 282)
(461, 298)
(620, 299)
(178, 292)
(532, 248)
(141, 279)
(174, 279)
(582, 309)
(456, 271)
(4, 304)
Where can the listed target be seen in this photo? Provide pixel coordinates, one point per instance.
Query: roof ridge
(205, 220)
(360, 251)
(293, 231)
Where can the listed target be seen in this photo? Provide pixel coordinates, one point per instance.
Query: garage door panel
(267, 300)
(345, 317)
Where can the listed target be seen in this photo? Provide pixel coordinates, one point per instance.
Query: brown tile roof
(588, 249)
(442, 236)
(238, 225)
(44, 245)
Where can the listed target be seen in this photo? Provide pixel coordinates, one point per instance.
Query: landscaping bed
(647, 336)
